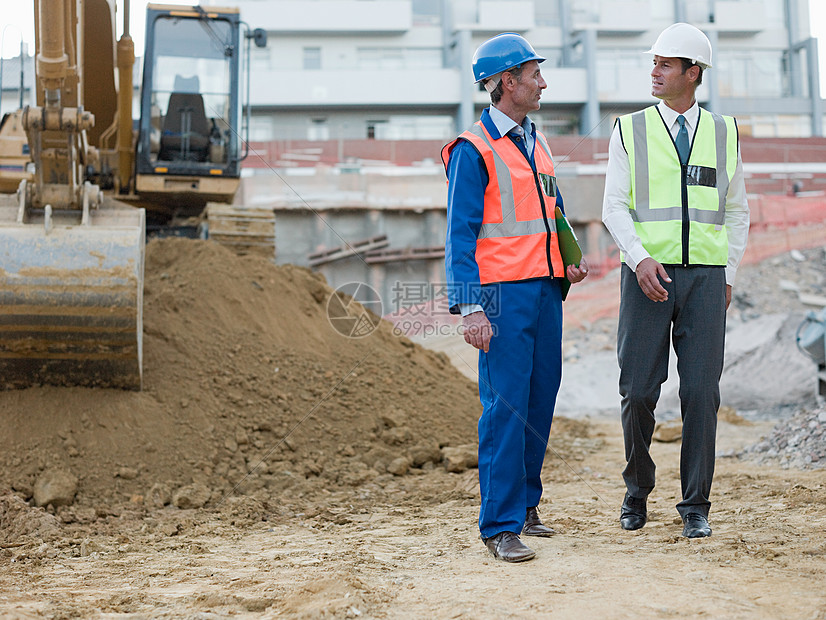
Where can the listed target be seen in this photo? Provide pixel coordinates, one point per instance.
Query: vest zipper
(686, 223)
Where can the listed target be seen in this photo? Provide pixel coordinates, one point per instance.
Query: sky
(18, 20)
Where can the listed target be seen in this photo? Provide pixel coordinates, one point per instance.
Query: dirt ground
(321, 464)
(407, 548)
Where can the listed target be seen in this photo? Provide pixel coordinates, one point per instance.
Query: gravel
(799, 441)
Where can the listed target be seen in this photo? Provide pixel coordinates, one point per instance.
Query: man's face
(529, 87)
(668, 81)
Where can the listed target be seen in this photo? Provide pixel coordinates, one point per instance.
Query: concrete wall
(323, 208)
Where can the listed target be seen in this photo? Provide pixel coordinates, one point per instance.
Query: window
(699, 12)
(260, 59)
(261, 128)
(585, 11)
(423, 58)
(408, 127)
(552, 56)
(615, 67)
(190, 95)
(776, 126)
(557, 123)
(312, 58)
(380, 58)
(376, 130)
(319, 129)
(427, 12)
(750, 74)
(372, 58)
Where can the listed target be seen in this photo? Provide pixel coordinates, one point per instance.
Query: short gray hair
(496, 93)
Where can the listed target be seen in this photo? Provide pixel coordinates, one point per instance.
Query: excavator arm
(71, 263)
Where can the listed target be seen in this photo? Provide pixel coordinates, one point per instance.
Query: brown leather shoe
(506, 546)
(535, 527)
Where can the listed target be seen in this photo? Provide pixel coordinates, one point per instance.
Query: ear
(508, 80)
(693, 73)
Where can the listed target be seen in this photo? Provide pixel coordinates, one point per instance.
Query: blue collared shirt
(505, 124)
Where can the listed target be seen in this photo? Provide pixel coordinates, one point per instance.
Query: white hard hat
(683, 41)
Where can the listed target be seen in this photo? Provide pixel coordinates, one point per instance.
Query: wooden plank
(350, 249)
(245, 230)
(405, 254)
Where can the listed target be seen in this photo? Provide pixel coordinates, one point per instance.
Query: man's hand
(648, 273)
(728, 295)
(577, 274)
(477, 330)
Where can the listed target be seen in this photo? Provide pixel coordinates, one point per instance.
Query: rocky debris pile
(792, 282)
(20, 522)
(248, 390)
(799, 441)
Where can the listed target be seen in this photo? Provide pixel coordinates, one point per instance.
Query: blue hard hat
(500, 53)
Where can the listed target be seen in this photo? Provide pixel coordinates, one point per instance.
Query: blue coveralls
(519, 376)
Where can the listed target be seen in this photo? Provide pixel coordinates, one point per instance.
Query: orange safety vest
(518, 239)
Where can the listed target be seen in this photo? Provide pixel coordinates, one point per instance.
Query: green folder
(568, 247)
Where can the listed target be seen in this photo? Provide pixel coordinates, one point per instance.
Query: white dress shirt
(617, 200)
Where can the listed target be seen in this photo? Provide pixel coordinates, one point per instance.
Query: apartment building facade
(400, 69)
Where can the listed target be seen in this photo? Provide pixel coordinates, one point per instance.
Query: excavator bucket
(71, 298)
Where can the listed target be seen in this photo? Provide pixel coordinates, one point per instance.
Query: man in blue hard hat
(506, 277)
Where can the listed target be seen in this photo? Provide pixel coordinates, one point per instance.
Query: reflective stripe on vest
(679, 211)
(513, 242)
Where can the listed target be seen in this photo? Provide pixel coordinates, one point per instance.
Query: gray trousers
(694, 319)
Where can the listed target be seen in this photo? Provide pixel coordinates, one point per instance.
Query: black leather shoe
(507, 546)
(696, 526)
(633, 514)
(535, 527)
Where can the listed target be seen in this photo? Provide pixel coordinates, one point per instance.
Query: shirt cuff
(635, 257)
(466, 309)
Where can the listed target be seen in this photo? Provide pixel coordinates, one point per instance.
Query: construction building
(17, 80)
(400, 69)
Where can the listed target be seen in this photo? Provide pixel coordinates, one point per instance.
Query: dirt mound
(247, 389)
(19, 521)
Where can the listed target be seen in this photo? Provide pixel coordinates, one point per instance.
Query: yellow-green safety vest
(679, 211)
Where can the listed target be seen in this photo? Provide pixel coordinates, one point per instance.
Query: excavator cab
(189, 138)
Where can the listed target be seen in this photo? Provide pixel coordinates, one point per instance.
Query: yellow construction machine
(72, 237)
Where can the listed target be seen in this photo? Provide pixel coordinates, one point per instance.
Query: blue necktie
(682, 140)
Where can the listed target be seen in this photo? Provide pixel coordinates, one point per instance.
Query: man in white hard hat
(506, 276)
(675, 204)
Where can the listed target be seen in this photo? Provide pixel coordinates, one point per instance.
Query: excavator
(72, 237)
